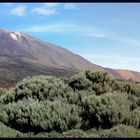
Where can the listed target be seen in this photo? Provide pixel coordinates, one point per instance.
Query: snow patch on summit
(15, 35)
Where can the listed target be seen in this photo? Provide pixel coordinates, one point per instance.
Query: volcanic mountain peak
(37, 52)
(15, 35)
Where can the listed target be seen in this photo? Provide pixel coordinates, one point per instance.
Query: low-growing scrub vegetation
(89, 104)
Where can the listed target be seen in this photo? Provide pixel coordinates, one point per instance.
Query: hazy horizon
(105, 34)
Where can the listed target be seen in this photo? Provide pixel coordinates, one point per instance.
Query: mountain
(124, 74)
(129, 75)
(22, 55)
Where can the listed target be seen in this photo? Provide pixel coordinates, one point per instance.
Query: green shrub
(35, 116)
(120, 131)
(3, 91)
(102, 82)
(135, 118)
(98, 76)
(97, 82)
(40, 135)
(131, 88)
(8, 97)
(46, 135)
(77, 97)
(40, 88)
(48, 106)
(80, 82)
(134, 101)
(7, 132)
(106, 110)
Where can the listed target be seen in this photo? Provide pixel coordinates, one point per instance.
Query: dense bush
(46, 106)
(77, 97)
(80, 82)
(135, 118)
(131, 88)
(3, 91)
(31, 115)
(40, 88)
(97, 82)
(98, 76)
(46, 135)
(106, 110)
(134, 101)
(8, 97)
(6, 132)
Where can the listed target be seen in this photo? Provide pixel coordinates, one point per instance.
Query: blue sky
(105, 34)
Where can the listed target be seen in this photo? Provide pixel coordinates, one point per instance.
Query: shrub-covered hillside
(89, 104)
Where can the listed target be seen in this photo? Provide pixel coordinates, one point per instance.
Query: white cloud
(18, 11)
(52, 8)
(50, 5)
(43, 11)
(70, 6)
(47, 9)
(8, 4)
(45, 28)
(66, 28)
